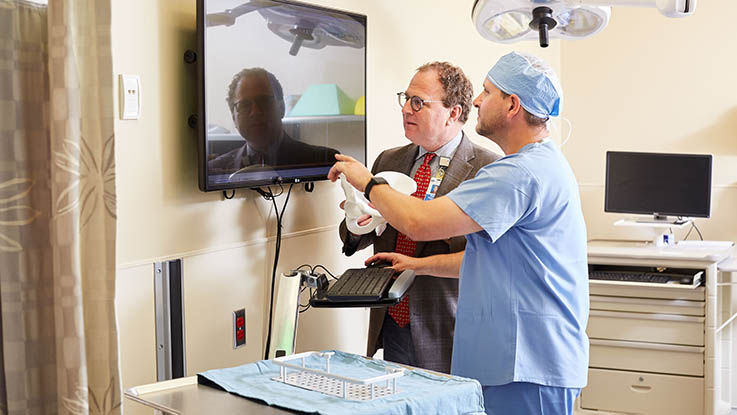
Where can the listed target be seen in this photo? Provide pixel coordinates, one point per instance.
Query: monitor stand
(664, 220)
(661, 225)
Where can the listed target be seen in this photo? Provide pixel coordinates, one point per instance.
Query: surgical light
(509, 25)
(507, 21)
(580, 22)
(305, 28)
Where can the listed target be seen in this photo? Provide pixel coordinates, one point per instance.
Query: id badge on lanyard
(432, 188)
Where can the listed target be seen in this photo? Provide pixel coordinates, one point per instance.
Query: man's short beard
(482, 130)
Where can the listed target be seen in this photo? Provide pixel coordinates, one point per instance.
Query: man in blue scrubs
(523, 301)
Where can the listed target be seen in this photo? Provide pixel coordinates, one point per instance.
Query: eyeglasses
(244, 106)
(415, 102)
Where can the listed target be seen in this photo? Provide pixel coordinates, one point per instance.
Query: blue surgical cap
(532, 80)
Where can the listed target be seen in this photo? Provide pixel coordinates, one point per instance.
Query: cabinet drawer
(647, 357)
(643, 393)
(644, 327)
(647, 305)
(628, 290)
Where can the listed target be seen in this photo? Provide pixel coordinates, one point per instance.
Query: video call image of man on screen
(256, 102)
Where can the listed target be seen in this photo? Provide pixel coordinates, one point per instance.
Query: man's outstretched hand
(399, 262)
(356, 173)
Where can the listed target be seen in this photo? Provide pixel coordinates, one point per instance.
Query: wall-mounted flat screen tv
(282, 88)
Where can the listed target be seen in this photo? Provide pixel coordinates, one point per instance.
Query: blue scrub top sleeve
(497, 198)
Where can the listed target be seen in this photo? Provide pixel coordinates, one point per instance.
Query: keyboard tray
(361, 284)
(639, 275)
(319, 300)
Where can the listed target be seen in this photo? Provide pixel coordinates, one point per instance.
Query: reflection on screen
(284, 91)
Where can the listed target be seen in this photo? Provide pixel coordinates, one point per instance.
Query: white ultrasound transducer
(356, 204)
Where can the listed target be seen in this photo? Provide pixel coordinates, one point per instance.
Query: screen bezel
(607, 186)
(200, 128)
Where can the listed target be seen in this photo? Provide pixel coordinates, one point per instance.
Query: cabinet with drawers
(656, 349)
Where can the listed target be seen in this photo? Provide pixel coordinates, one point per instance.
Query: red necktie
(406, 246)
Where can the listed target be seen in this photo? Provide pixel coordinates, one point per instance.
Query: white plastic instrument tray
(323, 381)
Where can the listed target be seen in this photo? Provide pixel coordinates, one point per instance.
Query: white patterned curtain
(58, 333)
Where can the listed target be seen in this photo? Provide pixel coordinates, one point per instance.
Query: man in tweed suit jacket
(435, 107)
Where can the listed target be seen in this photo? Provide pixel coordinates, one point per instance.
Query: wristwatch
(373, 182)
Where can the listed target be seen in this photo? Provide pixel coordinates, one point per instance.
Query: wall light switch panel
(130, 97)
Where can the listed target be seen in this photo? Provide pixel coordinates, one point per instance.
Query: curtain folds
(58, 332)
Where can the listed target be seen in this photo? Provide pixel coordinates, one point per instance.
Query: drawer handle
(641, 388)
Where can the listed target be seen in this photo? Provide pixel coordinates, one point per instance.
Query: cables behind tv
(270, 195)
(279, 214)
(317, 281)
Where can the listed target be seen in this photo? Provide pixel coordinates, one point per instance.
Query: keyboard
(361, 284)
(630, 276)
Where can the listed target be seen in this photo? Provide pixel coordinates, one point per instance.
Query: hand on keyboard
(397, 262)
(378, 264)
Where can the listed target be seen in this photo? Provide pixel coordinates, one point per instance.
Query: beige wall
(227, 245)
(649, 83)
(156, 154)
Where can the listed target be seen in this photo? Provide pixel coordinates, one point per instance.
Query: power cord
(271, 196)
(314, 281)
(304, 307)
(325, 269)
(693, 226)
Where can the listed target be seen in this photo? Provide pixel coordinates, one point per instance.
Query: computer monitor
(658, 184)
